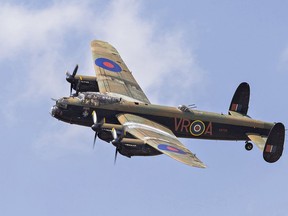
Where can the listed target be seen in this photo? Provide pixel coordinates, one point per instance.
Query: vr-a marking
(195, 128)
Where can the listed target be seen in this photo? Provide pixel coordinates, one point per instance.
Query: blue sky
(180, 53)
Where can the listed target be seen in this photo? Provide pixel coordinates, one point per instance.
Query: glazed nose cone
(55, 111)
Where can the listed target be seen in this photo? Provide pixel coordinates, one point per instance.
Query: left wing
(159, 137)
(112, 74)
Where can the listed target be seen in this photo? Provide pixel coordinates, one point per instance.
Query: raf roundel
(169, 148)
(197, 128)
(108, 64)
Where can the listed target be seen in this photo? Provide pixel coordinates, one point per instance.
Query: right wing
(159, 137)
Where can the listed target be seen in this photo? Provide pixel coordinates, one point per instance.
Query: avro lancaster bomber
(115, 107)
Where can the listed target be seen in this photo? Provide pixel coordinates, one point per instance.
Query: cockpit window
(61, 103)
(80, 96)
(96, 99)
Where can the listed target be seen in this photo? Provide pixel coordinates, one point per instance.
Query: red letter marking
(187, 121)
(177, 124)
(209, 129)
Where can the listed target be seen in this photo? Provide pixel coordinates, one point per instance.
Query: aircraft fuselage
(189, 124)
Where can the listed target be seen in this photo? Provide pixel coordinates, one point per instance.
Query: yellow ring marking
(202, 126)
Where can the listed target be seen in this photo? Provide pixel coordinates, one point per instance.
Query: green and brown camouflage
(116, 108)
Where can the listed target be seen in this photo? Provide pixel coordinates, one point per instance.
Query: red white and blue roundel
(197, 128)
(108, 64)
(169, 148)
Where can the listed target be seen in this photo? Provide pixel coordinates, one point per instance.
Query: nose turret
(55, 111)
(67, 109)
(58, 108)
(72, 110)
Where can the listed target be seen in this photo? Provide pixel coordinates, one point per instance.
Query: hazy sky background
(181, 52)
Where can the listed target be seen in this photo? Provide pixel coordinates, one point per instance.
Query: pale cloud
(34, 42)
(151, 53)
(38, 39)
(63, 141)
(43, 39)
(40, 36)
(26, 31)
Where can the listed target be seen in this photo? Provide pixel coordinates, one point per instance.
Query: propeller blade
(114, 134)
(94, 116)
(70, 78)
(95, 137)
(71, 89)
(75, 71)
(78, 86)
(67, 75)
(115, 157)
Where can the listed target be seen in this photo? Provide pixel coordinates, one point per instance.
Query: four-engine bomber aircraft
(116, 108)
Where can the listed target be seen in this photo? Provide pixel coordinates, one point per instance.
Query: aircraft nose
(55, 111)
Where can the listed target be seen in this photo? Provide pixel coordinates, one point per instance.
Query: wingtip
(200, 165)
(203, 166)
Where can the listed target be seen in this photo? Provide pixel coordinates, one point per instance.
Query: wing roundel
(112, 74)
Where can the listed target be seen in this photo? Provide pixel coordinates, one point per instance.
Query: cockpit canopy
(96, 99)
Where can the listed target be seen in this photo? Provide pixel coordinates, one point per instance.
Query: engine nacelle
(129, 150)
(83, 83)
(105, 135)
(124, 142)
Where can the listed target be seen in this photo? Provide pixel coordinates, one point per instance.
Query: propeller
(95, 137)
(78, 86)
(116, 141)
(114, 134)
(70, 78)
(96, 126)
(94, 117)
(115, 157)
(118, 135)
(115, 138)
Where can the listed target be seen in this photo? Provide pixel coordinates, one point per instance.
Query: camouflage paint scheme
(125, 117)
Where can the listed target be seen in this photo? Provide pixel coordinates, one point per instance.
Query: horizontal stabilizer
(240, 100)
(258, 140)
(274, 145)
